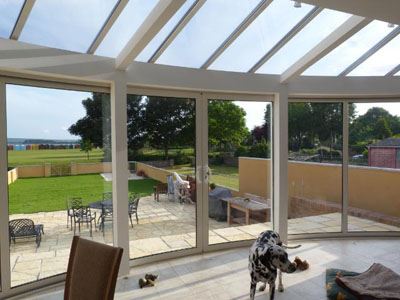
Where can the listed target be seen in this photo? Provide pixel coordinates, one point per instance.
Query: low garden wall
(317, 187)
(152, 172)
(45, 170)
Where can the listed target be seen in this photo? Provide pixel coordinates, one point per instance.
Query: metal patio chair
(83, 215)
(133, 207)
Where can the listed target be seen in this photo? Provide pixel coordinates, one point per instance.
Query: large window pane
(348, 52)
(211, 25)
(59, 163)
(319, 28)
(162, 183)
(239, 159)
(260, 36)
(374, 167)
(381, 62)
(315, 167)
(9, 10)
(66, 24)
(125, 26)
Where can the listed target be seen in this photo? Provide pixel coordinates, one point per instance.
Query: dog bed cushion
(378, 282)
(335, 291)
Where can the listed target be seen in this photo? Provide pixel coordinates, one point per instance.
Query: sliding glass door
(239, 190)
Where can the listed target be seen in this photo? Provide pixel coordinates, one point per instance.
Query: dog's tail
(290, 247)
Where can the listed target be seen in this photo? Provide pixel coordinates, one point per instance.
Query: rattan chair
(92, 270)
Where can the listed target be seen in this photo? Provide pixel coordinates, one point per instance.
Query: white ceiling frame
(18, 59)
(237, 32)
(191, 12)
(341, 34)
(22, 18)
(395, 32)
(394, 71)
(283, 41)
(154, 22)
(384, 10)
(115, 13)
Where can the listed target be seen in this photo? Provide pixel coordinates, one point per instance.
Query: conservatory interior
(179, 130)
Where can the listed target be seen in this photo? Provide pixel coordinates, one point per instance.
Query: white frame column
(120, 169)
(280, 164)
(4, 243)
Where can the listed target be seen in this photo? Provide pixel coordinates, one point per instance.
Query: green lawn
(220, 174)
(35, 157)
(32, 195)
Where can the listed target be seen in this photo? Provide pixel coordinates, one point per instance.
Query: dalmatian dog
(267, 257)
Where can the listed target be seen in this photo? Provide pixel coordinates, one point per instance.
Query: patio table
(100, 204)
(246, 205)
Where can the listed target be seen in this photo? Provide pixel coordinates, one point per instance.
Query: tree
(96, 125)
(226, 124)
(364, 127)
(300, 125)
(169, 122)
(136, 128)
(86, 146)
(381, 129)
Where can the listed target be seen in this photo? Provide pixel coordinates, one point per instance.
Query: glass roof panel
(9, 11)
(212, 24)
(348, 52)
(318, 29)
(381, 62)
(164, 32)
(125, 26)
(261, 36)
(66, 24)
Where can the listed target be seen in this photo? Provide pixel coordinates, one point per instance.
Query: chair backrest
(133, 202)
(74, 202)
(170, 182)
(20, 225)
(81, 211)
(92, 270)
(107, 196)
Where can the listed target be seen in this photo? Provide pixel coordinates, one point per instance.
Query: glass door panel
(162, 179)
(374, 169)
(240, 169)
(60, 172)
(315, 167)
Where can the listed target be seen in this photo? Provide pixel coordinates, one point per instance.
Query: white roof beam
(153, 23)
(283, 41)
(236, 33)
(341, 34)
(394, 71)
(395, 32)
(115, 13)
(22, 18)
(177, 29)
(384, 10)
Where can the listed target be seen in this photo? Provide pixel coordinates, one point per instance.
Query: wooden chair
(92, 270)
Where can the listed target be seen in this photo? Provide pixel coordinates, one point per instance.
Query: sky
(73, 24)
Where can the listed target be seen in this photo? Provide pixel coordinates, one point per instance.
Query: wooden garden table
(246, 205)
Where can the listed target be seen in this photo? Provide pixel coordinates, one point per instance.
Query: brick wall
(382, 157)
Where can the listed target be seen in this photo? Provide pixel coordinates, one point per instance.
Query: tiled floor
(224, 275)
(163, 226)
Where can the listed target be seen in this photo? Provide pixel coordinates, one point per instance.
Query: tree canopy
(226, 124)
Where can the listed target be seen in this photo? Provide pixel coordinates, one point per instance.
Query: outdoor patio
(163, 226)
